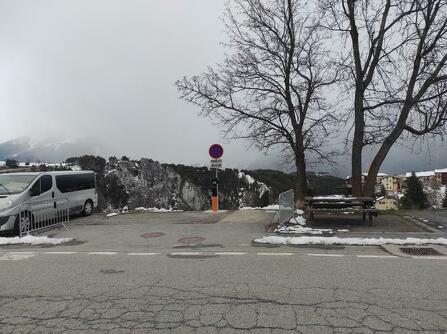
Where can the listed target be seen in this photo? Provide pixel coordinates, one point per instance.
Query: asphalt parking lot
(193, 272)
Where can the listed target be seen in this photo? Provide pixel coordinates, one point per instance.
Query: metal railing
(43, 214)
(286, 206)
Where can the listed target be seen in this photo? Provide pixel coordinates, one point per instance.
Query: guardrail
(286, 206)
(43, 214)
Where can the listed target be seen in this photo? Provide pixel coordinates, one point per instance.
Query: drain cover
(191, 240)
(420, 251)
(149, 235)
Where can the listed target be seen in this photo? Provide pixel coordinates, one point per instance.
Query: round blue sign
(216, 151)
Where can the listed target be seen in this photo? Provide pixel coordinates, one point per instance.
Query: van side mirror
(31, 192)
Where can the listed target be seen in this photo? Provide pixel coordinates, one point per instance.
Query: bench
(340, 204)
(369, 212)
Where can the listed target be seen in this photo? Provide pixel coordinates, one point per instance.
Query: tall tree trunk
(380, 156)
(301, 178)
(357, 144)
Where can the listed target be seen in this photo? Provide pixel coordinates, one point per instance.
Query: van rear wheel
(88, 208)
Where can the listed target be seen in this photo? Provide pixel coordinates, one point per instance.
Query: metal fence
(43, 214)
(286, 206)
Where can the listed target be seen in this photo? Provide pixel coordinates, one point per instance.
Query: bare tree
(270, 90)
(398, 73)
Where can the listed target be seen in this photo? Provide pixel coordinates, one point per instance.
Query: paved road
(221, 285)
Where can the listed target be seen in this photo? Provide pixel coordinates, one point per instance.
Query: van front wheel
(24, 222)
(88, 208)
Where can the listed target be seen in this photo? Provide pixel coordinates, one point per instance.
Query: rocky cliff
(147, 183)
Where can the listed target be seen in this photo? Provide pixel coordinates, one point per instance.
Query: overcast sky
(105, 69)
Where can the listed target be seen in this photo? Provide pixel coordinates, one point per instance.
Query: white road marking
(230, 253)
(142, 254)
(102, 253)
(15, 256)
(377, 256)
(326, 255)
(186, 253)
(275, 254)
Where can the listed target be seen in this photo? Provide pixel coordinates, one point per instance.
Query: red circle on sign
(216, 151)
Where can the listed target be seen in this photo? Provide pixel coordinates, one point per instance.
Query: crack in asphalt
(227, 308)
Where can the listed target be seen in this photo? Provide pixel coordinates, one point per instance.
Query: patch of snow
(440, 226)
(271, 207)
(301, 230)
(348, 241)
(342, 230)
(156, 210)
(32, 240)
(330, 197)
(299, 220)
(113, 214)
(299, 212)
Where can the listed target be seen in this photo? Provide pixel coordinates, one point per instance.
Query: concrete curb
(423, 225)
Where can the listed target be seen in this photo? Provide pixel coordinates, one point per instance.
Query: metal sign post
(216, 153)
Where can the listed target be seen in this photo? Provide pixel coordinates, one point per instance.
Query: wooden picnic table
(338, 204)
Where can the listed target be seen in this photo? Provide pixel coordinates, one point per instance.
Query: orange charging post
(216, 153)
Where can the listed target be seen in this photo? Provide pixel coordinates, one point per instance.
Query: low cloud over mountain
(24, 149)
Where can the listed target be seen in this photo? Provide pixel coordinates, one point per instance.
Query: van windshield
(14, 184)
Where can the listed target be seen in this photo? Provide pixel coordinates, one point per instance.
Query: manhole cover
(191, 240)
(149, 235)
(420, 251)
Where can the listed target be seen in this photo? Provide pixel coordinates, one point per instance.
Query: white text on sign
(216, 163)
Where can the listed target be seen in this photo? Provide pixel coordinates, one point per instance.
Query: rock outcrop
(151, 184)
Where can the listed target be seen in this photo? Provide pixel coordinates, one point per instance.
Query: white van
(18, 189)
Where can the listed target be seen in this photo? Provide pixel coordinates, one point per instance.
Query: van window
(35, 190)
(75, 182)
(42, 185)
(46, 183)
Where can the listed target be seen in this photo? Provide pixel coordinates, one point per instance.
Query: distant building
(441, 176)
(392, 184)
(380, 177)
(387, 203)
(426, 177)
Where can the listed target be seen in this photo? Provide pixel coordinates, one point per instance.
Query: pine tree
(444, 202)
(414, 198)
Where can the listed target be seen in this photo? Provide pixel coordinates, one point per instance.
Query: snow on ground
(113, 214)
(268, 207)
(156, 210)
(330, 197)
(32, 240)
(342, 230)
(301, 230)
(348, 241)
